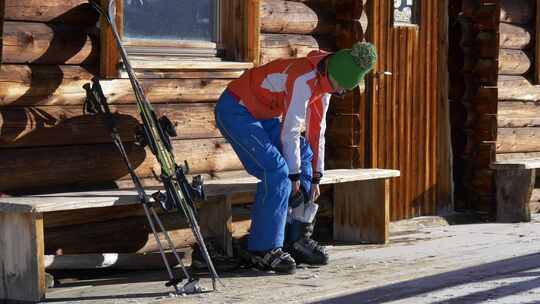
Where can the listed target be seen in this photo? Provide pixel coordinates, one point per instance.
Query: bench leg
(216, 218)
(514, 190)
(22, 272)
(361, 211)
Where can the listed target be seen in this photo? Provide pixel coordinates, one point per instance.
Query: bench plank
(530, 163)
(222, 184)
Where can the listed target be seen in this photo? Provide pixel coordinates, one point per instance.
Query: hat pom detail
(364, 55)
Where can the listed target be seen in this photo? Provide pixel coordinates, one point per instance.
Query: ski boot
(302, 247)
(275, 259)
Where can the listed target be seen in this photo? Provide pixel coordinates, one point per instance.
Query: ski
(96, 104)
(156, 133)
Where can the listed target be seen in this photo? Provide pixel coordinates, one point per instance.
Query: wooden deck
(426, 261)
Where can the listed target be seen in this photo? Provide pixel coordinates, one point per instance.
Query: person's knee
(280, 176)
(279, 173)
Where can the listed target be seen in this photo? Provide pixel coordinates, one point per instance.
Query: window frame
(241, 44)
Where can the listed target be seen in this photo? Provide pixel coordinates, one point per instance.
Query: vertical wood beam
(216, 222)
(2, 17)
(513, 194)
(362, 211)
(537, 45)
(444, 144)
(109, 57)
(22, 271)
(253, 31)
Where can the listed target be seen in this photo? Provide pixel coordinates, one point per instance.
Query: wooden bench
(361, 214)
(514, 180)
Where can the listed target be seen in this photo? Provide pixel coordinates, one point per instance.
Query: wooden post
(253, 31)
(2, 17)
(216, 221)
(22, 271)
(537, 46)
(109, 54)
(361, 211)
(514, 190)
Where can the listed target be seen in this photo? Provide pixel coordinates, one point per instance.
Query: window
(186, 28)
(405, 12)
(177, 34)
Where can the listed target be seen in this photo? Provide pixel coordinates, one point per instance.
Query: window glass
(170, 19)
(405, 12)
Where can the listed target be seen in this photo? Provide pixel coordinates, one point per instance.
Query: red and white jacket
(296, 91)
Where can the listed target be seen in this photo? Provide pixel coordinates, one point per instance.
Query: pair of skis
(156, 134)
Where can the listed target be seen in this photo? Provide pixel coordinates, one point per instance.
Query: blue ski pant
(257, 144)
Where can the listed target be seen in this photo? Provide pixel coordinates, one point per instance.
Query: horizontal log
(512, 114)
(513, 62)
(51, 168)
(535, 197)
(535, 207)
(519, 12)
(68, 125)
(223, 74)
(511, 140)
(513, 36)
(294, 18)
(483, 45)
(24, 85)
(40, 43)
(349, 9)
(113, 236)
(75, 12)
(344, 130)
(90, 215)
(275, 46)
(511, 156)
(117, 261)
(338, 157)
(512, 82)
(517, 88)
(484, 70)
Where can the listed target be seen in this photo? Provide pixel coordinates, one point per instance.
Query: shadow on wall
(45, 75)
(83, 152)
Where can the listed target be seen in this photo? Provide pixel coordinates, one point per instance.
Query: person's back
(267, 90)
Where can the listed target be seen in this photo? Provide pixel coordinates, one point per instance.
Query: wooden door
(402, 118)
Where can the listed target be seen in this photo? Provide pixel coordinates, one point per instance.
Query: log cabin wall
(50, 49)
(494, 94)
(473, 62)
(518, 132)
(518, 123)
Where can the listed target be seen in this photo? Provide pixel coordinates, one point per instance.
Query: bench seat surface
(224, 183)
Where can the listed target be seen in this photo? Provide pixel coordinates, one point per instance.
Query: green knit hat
(349, 66)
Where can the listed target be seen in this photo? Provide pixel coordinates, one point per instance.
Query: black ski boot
(305, 249)
(275, 259)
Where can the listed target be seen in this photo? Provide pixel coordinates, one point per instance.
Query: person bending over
(263, 114)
